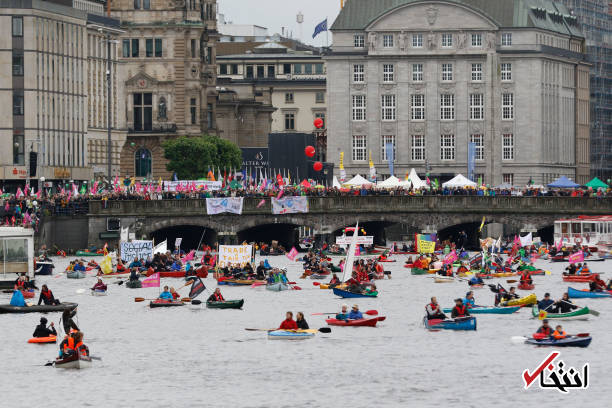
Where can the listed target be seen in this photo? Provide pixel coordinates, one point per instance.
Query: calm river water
(193, 357)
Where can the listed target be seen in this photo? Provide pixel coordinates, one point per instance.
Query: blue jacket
(543, 304)
(78, 267)
(176, 267)
(467, 301)
(355, 315)
(135, 264)
(17, 299)
(476, 280)
(165, 295)
(342, 316)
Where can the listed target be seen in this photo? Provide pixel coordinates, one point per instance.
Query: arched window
(142, 162)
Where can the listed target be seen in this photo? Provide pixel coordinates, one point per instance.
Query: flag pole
(326, 32)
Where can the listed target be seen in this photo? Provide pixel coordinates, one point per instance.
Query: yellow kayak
(443, 280)
(524, 301)
(326, 286)
(503, 274)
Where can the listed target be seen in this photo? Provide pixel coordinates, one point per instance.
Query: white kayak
(74, 361)
(98, 292)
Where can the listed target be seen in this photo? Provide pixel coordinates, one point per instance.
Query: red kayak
(360, 322)
(579, 278)
(409, 265)
(201, 273)
(387, 260)
(526, 286)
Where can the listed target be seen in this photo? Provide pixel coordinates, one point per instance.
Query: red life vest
(20, 284)
(461, 311)
(547, 331)
(219, 297)
(433, 307)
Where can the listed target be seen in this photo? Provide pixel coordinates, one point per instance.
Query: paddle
(322, 330)
(316, 283)
(369, 312)
(140, 299)
(511, 281)
(256, 284)
(593, 312)
(196, 302)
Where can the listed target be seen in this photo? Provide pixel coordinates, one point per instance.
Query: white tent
(415, 180)
(459, 181)
(389, 183)
(357, 181)
(335, 183)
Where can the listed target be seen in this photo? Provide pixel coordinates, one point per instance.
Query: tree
(192, 157)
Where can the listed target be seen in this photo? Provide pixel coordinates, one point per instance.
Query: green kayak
(418, 271)
(578, 314)
(228, 304)
(87, 253)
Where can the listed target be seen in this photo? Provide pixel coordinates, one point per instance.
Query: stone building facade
(168, 49)
(430, 77)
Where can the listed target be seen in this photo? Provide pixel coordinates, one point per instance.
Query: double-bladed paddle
(322, 330)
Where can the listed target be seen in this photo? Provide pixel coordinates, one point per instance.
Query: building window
(385, 139)
(146, 4)
(17, 26)
(417, 107)
(135, 48)
(17, 64)
(447, 106)
(136, 4)
(478, 141)
(320, 97)
(158, 48)
(417, 40)
(143, 111)
(359, 148)
(359, 40)
(17, 103)
(222, 69)
(508, 146)
(476, 106)
(476, 72)
(417, 72)
(387, 105)
(209, 116)
(193, 110)
(142, 163)
(297, 69)
(126, 49)
(417, 152)
(249, 72)
(308, 69)
(447, 40)
(388, 73)
(506, 39)
(260, 71)
(321, 115)
(149, 47)
(358, 73)
(193, 46)
(388, 41)
(287, 69)
(359, 107)
(319, 69)
(508, 178)
(289, 121)
(234, 69)
(508, 106)
(447, 147)
(271, 71)
(476, 40)
(506, 71)
(447, 72)
(288, 97)
(18, 149)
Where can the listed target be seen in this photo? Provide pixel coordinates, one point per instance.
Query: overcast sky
(275, 14)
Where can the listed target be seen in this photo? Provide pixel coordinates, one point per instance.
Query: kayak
(577, 294)
(73, 361)
(113, 274)
(37, 308)
(43, 340)
(99, 292)
(179, 274)
(570, 341)
(468, 323)
(88, 253)
(347, 294)
(357, 323)
(239, 282)
(75, 275)
(489, 310)
(524, 301)
(136, 284)
(326, 286)
(443, 280)
(525, 286)
(578, 314)
(579, 278)
(418, 271)
(277, 286)
(228, 304)
(165, 303)
(291, 334)
(387, 260)
(44, 268)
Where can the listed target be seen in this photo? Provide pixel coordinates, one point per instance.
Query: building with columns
(168, 52)
(433, 76)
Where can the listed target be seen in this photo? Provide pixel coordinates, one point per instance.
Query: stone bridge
(329, 214)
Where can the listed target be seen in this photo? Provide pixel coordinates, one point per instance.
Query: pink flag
(577, 257)
(280, 194)
(292, 254)
(152, 281)
(262, 202)
(559, 244)
(189, 256)
(95, 187)
(357, 250)
(116, 180)
(7, 207)
(450, 258)
(19, 192)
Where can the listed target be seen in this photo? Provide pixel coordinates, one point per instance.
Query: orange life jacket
(69, 344)
(81, 348)
(559, 336)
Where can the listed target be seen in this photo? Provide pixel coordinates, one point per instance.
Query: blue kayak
(291, 334)
(581, 294)
(466, 323)
(570, 341)
(347, 294)
(489, 310)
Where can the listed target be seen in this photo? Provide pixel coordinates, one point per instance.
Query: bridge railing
(370, 204)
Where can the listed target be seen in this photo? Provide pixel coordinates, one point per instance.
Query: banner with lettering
(450, 258)
(136, 249)
(234, 254)
(231, 205)
(290, 205)
(426, 243)
(576, 257)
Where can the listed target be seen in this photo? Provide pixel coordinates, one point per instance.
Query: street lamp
(109, 149)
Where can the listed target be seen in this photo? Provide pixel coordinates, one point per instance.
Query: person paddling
(433, 310)
(545, 330)
(46, 296)
(559, 333)
(343, 315)
(42, 331)
(469, 300)
(301, 322)
(101, 286)
(68, 323)
(460, 310)
(216, 296)
(598, 285)
(545, 303)
(564, 305)
(166, 295)
(355, 313)
(288, 323)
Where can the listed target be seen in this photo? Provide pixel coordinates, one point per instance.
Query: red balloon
(318, 166)
(309, 151)
(318, 122)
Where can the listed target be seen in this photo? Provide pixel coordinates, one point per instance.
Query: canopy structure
(390, 183)
(415, 180)
(459, 181)
(563, 182)
(357, 181)
(335, 183)
(596, 183)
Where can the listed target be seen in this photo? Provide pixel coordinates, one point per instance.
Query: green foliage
(192, 157)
